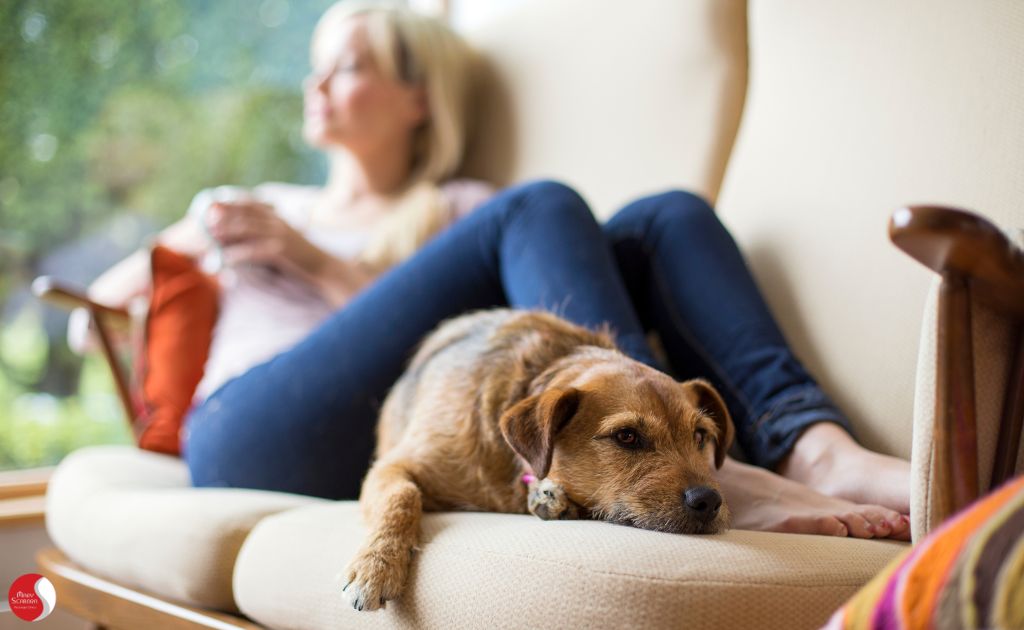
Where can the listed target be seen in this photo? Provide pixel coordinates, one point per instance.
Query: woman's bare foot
(827, 459)
(763, 501)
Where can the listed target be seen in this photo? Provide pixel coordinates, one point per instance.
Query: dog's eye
(627, 438)
(702, 438)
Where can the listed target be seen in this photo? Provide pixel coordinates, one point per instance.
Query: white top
(264, 311)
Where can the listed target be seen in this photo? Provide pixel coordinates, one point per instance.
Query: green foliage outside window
(118, 109)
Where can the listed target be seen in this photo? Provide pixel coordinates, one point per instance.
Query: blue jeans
(304, 421)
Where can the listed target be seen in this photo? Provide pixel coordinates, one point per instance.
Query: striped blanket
(969, 573)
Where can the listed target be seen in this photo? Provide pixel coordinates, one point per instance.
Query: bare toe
(835, 527)
(859, 526)
(880, 524)
(887, 523)
(813, 524)
(883, 528)
(901, 528)
(832, 526)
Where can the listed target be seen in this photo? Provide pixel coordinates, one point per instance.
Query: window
(113, 115)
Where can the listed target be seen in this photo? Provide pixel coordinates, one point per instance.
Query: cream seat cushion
(132, 516)
(477, 570)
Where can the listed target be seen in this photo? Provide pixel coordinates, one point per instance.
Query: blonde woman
(327, 290)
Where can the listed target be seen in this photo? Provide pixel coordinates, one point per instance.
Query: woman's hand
(252, 232)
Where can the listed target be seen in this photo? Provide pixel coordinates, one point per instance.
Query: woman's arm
(131, 277)
(253, 232)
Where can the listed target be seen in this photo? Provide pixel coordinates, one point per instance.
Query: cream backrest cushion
(614, 98)
(854, 109)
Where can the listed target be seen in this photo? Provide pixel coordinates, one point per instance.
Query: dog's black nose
(702, 501)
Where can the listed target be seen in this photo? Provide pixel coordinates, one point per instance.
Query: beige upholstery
(854, 109)
(131, 515)
(627, 99)
(506, 571)
(991, 336)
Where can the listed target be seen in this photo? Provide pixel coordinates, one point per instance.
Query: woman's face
(349, 102)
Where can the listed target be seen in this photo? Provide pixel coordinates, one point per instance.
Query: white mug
(213, 262)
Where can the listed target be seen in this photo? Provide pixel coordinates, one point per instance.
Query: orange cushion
(179, 327)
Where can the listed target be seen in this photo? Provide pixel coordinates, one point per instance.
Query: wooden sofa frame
(973, 257)
(976, 262)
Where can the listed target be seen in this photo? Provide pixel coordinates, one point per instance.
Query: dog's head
(628, 443)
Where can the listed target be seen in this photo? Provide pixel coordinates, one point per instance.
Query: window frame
(23, 496)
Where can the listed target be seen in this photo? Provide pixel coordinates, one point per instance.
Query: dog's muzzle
(702, 503)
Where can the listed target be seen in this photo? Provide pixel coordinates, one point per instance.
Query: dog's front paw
(547, 500)
(375, 576)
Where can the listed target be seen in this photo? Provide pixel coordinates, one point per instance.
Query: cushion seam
(652, 578)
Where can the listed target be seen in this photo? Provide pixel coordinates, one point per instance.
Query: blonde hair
(416, 49)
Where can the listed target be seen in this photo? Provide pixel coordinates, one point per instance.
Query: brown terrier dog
(496, 394)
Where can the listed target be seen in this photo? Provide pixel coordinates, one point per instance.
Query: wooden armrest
(68, 296)
(954, 242)
(976, 262)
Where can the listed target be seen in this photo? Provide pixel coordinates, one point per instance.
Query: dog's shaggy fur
(496, 394)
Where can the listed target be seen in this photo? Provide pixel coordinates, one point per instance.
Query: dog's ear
(711, 403)
(530, 426)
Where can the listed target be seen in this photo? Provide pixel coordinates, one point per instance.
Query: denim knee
(551, 200)
(655, 214)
